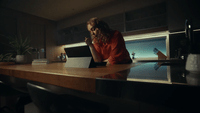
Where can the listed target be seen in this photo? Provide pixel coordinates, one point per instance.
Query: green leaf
(6, 57)
(19, 44)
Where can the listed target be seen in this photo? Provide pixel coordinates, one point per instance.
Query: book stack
(40, 61)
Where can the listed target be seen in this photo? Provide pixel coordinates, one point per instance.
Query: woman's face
(93, 31)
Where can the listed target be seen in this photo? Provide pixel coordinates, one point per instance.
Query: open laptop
(81, 53)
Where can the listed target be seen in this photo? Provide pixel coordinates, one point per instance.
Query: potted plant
(21, 46)
(6, 59)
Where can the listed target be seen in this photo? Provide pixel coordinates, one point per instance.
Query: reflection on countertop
(156, 72)
(156, 83)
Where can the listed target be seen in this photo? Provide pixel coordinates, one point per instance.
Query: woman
(108, 45)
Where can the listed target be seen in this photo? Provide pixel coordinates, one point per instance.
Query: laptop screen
(80, 57)
(81, 51)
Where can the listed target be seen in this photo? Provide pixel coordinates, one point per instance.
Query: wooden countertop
(82, 79)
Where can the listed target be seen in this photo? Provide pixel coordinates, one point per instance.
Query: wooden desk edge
(77, 83)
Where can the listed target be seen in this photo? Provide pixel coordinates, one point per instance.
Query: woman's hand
(108, 63)
(95, 55)
(88, 41)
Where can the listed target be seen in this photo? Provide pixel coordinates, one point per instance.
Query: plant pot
(20, 59)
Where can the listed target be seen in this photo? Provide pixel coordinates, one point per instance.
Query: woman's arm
(95, 55)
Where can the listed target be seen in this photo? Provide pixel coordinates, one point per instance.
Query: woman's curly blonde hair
(103, 27)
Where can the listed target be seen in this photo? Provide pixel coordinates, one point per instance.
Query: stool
(49, 101)
(9, 91)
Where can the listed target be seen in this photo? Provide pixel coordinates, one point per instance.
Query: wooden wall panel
(52, 50)
(36, 33)
(41, 31)
(8, 26)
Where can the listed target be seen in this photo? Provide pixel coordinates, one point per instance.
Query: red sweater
(114, 50)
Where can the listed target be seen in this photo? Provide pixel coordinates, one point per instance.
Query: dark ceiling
(53, 9)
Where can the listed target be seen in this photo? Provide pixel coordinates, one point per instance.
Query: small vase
(20, 59)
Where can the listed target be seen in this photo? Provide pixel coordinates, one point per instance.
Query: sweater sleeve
(118, 49)
(98, 50)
